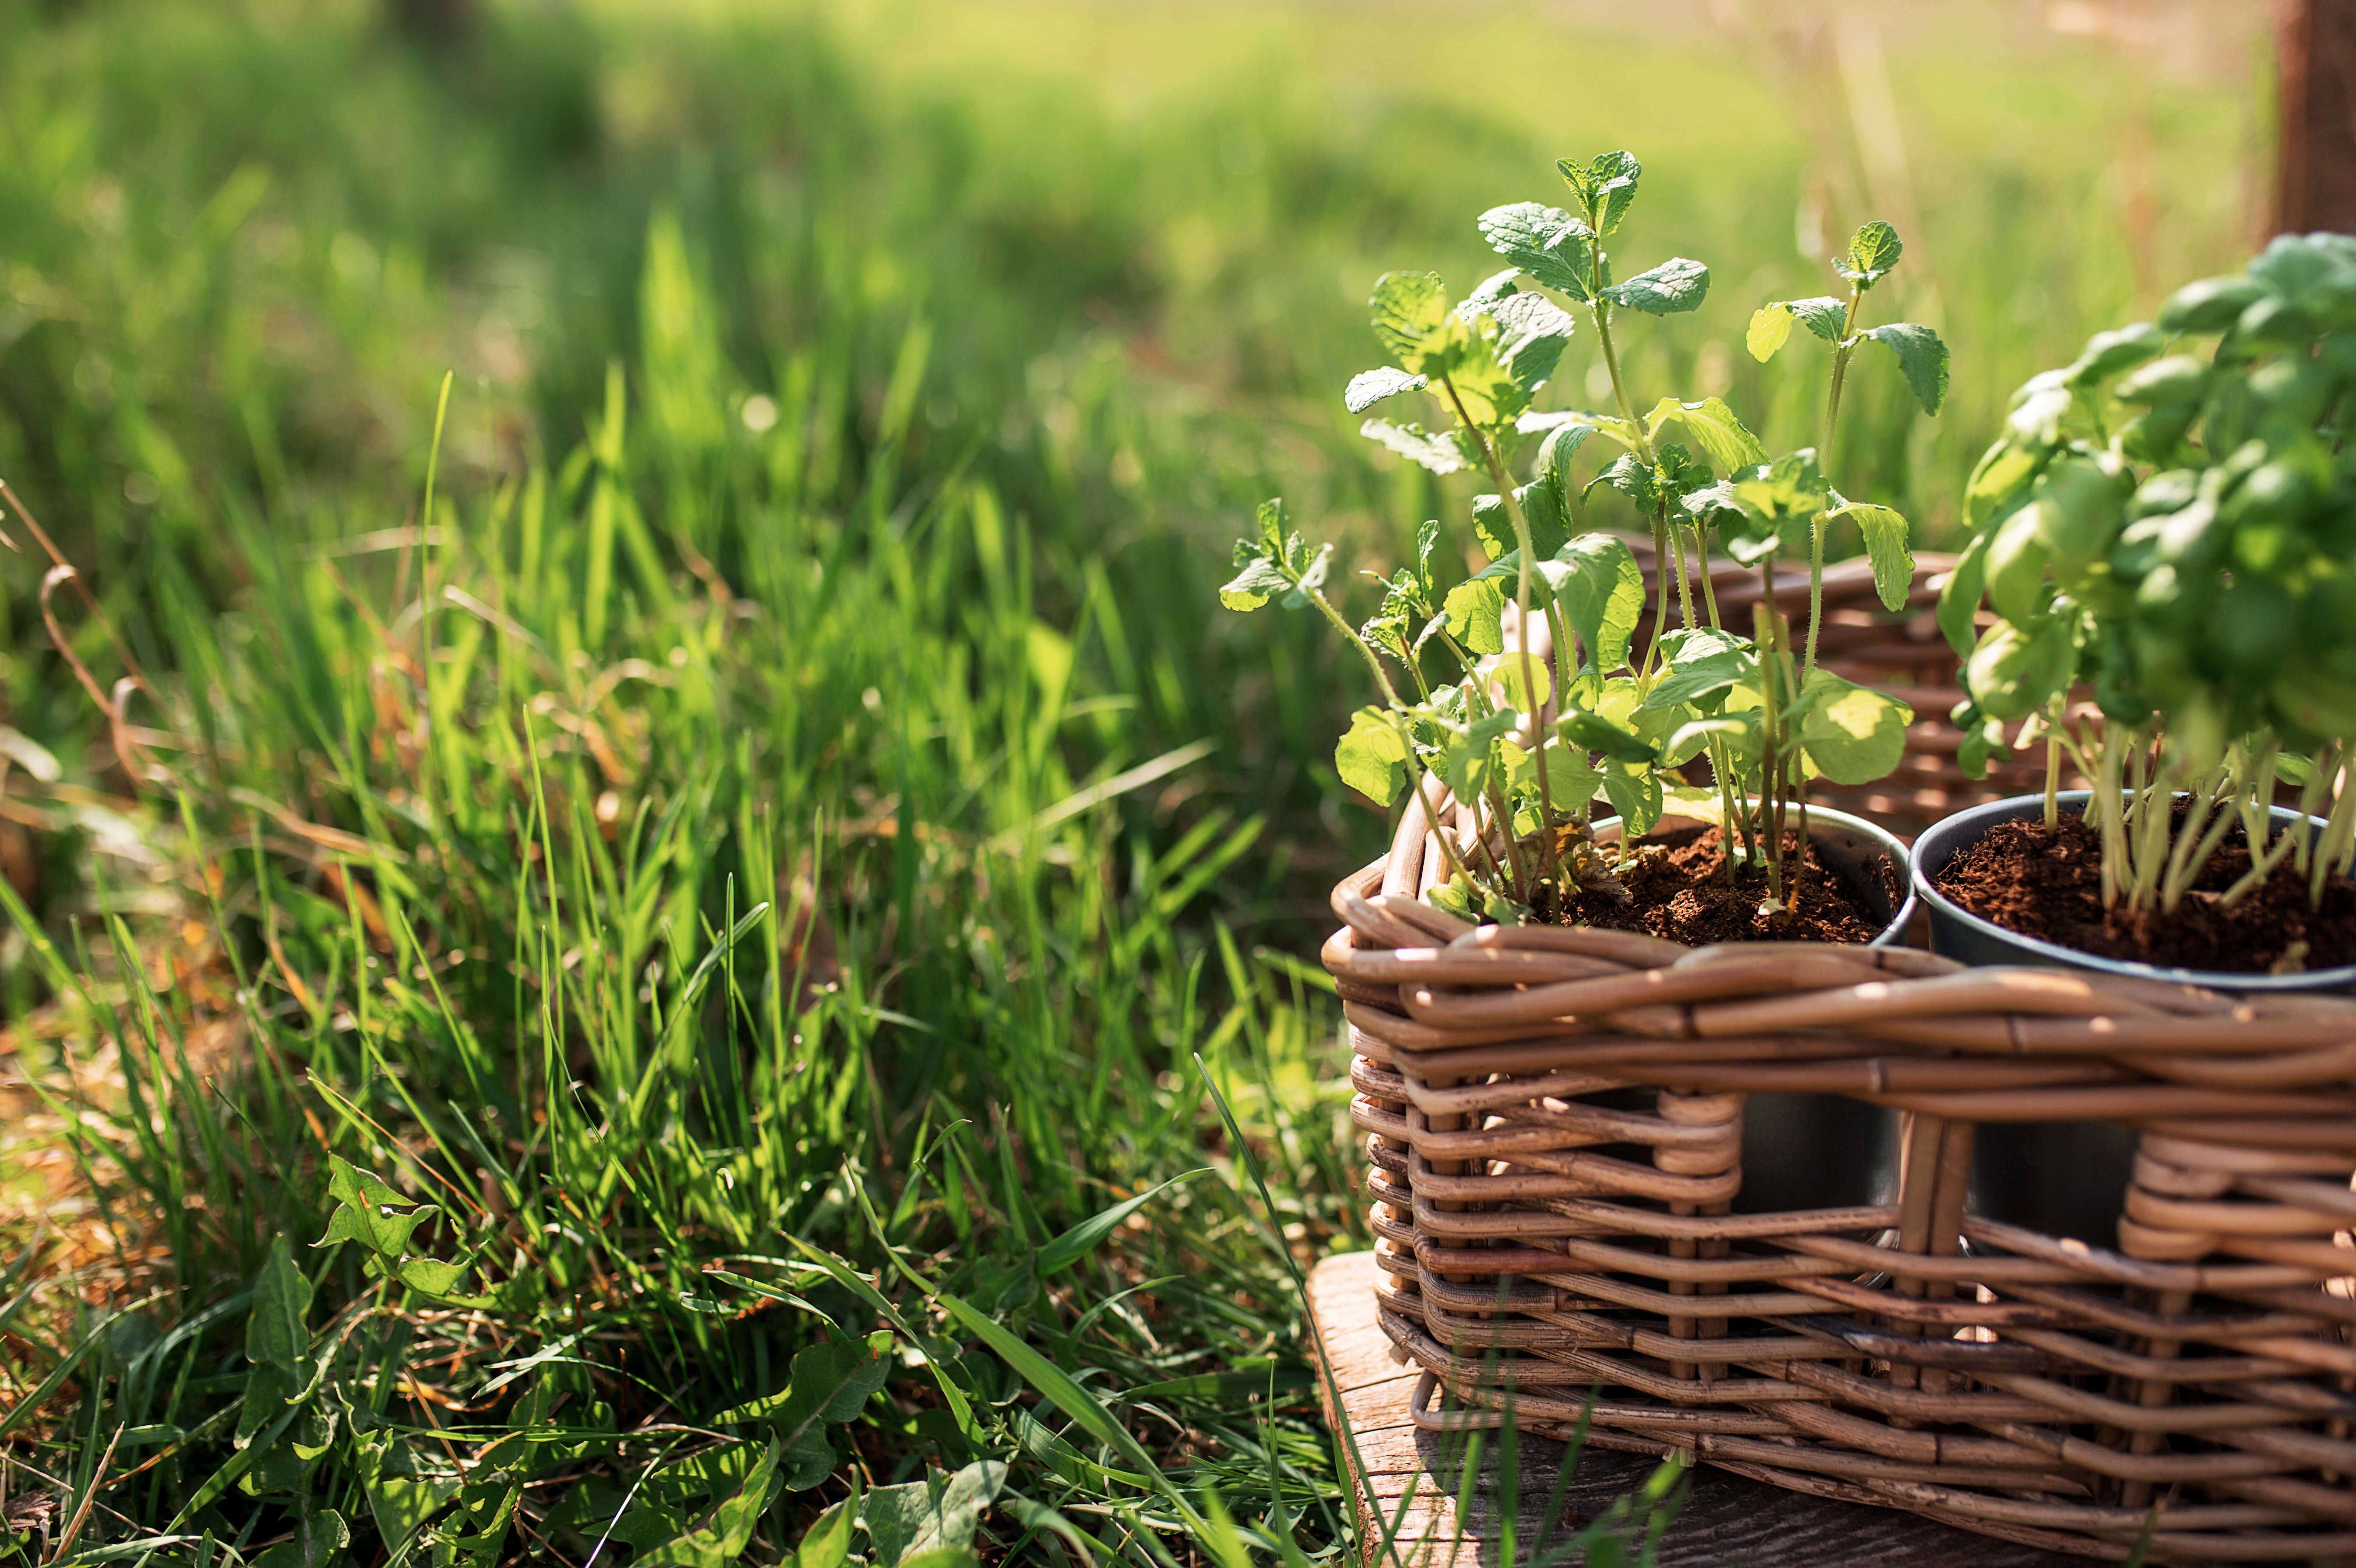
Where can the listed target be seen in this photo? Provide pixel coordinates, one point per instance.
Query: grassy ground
(733, 871)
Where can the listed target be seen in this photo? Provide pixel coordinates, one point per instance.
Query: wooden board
(1727, 1520)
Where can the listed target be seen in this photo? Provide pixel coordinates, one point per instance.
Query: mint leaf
(1824, 316)
(1438, 452)
(1483, 301)
(1921, 356)
(1605, 183)
(1546, 243)
(1873, 251)
(1253, 586)
(1885, 546)
(1371, 387)
(1723, 438)
(1770, 329)
(1676, 286)
(1406, 309)
(1602, 597)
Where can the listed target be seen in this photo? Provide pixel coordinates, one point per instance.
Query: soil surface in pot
(1680, 891)
(2052, 888)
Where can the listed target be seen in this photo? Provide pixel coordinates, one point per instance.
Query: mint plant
(2176, 529)
(1529, 741)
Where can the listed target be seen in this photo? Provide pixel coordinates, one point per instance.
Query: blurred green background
(792, 806)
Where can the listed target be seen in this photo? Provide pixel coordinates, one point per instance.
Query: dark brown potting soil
(2052, 887)
(1679, 891)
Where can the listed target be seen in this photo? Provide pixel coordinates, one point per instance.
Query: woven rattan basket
(1540, 1240)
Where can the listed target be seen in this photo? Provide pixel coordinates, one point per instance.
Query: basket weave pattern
(1540, 1240)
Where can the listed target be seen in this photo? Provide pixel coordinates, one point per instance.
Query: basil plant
(2171, 520)
(1529, 731)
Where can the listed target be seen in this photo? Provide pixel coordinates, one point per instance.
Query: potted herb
(2170, 523)
(1522, 691)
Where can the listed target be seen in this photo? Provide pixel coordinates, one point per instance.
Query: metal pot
(2066, 1178)
(1959, 934)
(1824, 1151)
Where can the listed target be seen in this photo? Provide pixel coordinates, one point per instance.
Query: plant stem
(1818, 525)
(1771, 775)
(2053, 766)
(1685, 588)
(1526, 552)
(2104, 805)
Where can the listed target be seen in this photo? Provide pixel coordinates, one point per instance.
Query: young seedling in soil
(1526, 730)
(2176, 530)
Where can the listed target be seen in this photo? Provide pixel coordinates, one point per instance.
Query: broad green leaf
(1082, 1239)
(1407, 308)
(1702, 680)
(1770, 329)
(1369, 388)
(2040, 405)
(1602, 597)
(1546, 243)
(319, 1540)
(1532, 332)
(1873, 249)
(1851, 734)
(1468, 763)
(371, 1212)
(1571, 780)
(827, 1543)
(2108, 353)
(2017, 556)
(2212, 304)
(276, 1334)
(1525, 681)
(1676, 286)
(1555, 452)
(1542, 510)
(828, 1382)
(1959, 598)
(906, 1522)
(1885, 546)
(438, 1279)
(1921, 356)
(1714, 428)
(1614, 742)
(1439, 452)
(402, 1505)
(1489, 391)
(720, 1541)
(2014, 672)
(1636, 796)
(1475, 608)
(2002, 472)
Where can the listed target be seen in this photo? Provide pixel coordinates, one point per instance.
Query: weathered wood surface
(1728, 1521)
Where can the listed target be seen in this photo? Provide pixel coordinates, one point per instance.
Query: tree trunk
(2316, 180)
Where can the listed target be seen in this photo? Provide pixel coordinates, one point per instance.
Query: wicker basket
(1539, 1236)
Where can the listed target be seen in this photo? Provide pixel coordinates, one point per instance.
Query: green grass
(784, 835)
